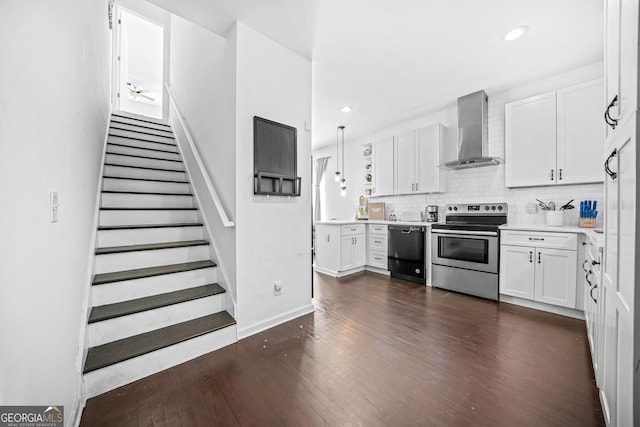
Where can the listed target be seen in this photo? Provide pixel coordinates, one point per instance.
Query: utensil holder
(554, 218)
(587, 222)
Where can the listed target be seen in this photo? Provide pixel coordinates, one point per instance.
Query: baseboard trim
(563, 311)
(274, 321)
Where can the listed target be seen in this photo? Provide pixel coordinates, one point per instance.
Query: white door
(555, 281)
(383, 167)
(628, 68)
(517, 271)
(530, 141)
(620, 356)
(359, 250)
(140, 65)
(428, 156)
(405, 162)
(346, 253)
(580, 133)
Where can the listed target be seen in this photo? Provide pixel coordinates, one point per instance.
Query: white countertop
(597, 238)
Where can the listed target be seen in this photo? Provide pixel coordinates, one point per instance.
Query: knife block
(587, 222)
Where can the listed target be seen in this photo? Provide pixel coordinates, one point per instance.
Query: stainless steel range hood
(472, 133)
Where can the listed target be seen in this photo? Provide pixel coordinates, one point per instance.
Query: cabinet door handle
(413, 187)
(559, 174)
(607, 115)
(586, 278)
(536, 238)
(416, 186)
(591, 293)
(611, 173)
(530, 256)
(328, 237)
(539, 262)
(585, 264)
(551, 174)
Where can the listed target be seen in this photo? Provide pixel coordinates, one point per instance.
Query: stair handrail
(192, 145)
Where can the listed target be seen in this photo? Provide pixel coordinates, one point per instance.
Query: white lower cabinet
(377, 248)
(340, 248)
(539, 271)
(352, 252)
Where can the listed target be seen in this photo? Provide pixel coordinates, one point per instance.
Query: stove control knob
(455, 208)
(499, 208)
(493, 208)
(450, 208)
(486, 208)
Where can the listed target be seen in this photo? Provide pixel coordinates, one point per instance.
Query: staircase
(154, 297)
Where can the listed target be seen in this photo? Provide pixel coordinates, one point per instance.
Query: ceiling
(395, 61)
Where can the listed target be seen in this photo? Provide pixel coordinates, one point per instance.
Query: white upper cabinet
(382, 159)
(430, 143)
(580, 133)
(417, 156)
(405, 163)
(621, 62)
(555, 138)
(530, 138)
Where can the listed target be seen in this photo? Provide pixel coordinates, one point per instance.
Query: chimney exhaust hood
(472, 133)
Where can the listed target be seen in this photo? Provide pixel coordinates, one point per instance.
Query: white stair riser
(108, 263)
(139, 323)
(140, 236)
(119, 124)
(144, 126)
(123, 200)
(134, 151)
(111, 293)
(143, 144)
(145, 163)
(147, 217)
(144, 173)
(142, 134)
(111, 184)
(105, 379)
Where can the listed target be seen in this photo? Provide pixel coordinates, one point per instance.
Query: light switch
(53, 206)
(531, 208)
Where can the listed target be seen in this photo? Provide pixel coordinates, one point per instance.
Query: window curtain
(321, 167)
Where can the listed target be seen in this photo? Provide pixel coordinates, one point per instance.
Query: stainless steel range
(465, 249)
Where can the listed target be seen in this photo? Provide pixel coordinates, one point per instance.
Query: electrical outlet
(531, 208)
(53, 206)
(277, 288)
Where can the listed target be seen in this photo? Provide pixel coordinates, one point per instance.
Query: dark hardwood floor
(378, 352)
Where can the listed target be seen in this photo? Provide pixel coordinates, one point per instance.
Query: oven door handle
(465, 232)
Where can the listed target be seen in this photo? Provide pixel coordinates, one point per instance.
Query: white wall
(273, 234)
(471, 185)
(203, 68)
(54, 106)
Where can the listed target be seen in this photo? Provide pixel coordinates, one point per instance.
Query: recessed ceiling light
(346, 109)
(516, 33)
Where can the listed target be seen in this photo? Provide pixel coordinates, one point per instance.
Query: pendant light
(343, 184)
(337, 175)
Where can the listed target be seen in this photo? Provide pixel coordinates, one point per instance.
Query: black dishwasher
(406, 252)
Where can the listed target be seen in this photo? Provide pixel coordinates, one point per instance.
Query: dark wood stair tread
(143, 157)
(140, 120)
(143, 167)
(147, 179)
(125, 308)
(136, 226)
(155, 193)
(150, 247)
(115, 144)
(137, 345)
(139, 273)
(141, 126)
(140, 131)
